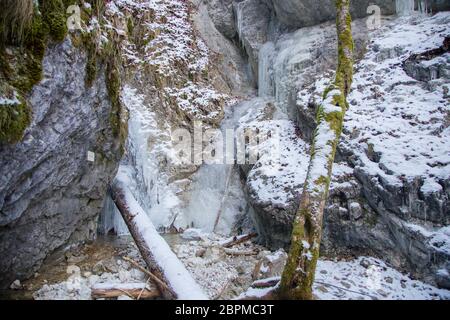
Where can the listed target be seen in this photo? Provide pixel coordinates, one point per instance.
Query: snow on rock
(198, 102)
(364, 278)
(280, 171)
(396, 118)
(7, 101)
(78, 286)
(369, 278)
(193, 234)
(438, 239)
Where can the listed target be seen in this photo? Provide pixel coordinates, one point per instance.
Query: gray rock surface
(301, 13)
(231, 65)
(438, 5)
(252, 24)
(366, 212)
(221, 13)
(50, 194)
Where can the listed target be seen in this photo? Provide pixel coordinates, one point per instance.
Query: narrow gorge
(205, 111)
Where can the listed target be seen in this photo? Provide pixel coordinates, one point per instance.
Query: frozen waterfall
(407, 7)
(404, 7)
(217, 188)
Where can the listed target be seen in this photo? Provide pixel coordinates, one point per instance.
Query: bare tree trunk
(298, 275)
(128, 216)
(165, 269)
(239, 239)
(141, 291)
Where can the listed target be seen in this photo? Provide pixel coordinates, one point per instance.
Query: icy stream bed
(223, 275)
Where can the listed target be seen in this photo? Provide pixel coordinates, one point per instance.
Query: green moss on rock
(113, 84)
(21, 68)
(14, 119)
(54, 16)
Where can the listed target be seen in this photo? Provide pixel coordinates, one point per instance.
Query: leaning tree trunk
(298, 275)
(165, 269)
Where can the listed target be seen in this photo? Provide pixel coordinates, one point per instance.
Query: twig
(140, 293)
(237, 240)
(154, 278)
(127, 293)
(225, 193)
(257, 269)
(266, 283)
(222, 291)
(241, 253)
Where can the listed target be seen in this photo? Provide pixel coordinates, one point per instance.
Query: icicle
(111, 220)
(423, 6)
(404, 7)
(238, 7)
(407, 7)
(265, 85)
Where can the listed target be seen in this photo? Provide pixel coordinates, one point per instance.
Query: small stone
(389, 279)
(240, 269)
(73, 269)
(322, 288)
(98, 268)
(192, 234)
(16, 285)
(382, 293)
(200, 253)
(365, 263)
(356, 211)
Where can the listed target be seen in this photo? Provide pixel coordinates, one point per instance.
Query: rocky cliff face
(50, 192)
(377, 205)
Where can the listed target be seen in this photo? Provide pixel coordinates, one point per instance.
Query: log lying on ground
(133, 290)
(233, 252)
(155, 251)
(239, 239)
(266, 283)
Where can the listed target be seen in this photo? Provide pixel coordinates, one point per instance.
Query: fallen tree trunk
(238, 240)
(266, 283)
(175, 281)
(232, 252)
(133, 290)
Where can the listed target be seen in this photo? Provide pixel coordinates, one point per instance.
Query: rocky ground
(223, 273)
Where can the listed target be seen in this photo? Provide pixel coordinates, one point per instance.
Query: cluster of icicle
(407, 7)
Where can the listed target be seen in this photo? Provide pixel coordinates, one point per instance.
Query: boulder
(50, 192)
(221, 13)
